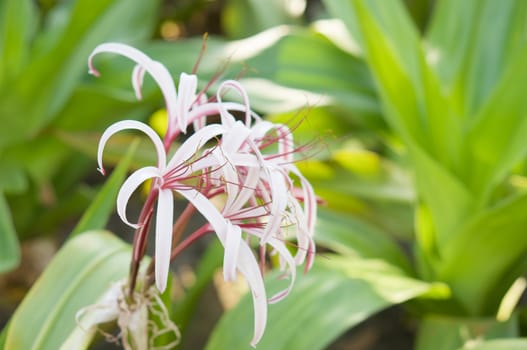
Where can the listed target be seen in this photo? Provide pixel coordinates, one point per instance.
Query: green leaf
(51, 76)
(497, 242)
(470, 43)
(241, 18)
(183, 310)
(413, 101)
(97, 215)
(76, 277)
(349, 236)
(449, 204)
(497, 136)
(414, 105)
(18, 20)
(447, 333)
(499, 344)
(323, 69)
(9, 247)
(351, 291)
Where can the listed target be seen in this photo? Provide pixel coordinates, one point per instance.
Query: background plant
(423, 122)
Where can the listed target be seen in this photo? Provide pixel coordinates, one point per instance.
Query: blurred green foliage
(417, 111)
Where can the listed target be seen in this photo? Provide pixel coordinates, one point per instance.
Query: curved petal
(249, 268)
(279, 192)
(233, 84)
(235, 136)
(188, 83)
(129, 187)
(232, 247)
(137, 80)
(246, 262)
(194, 143)
(248, 188)
(164, 222)
(158, 72)
(208, 210)
(135, 125)
(280, 247)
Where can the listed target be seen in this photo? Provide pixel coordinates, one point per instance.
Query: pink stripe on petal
(128, 188)
(137, 80)
(164, 222)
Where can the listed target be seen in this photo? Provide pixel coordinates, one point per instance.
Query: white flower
(250, 162)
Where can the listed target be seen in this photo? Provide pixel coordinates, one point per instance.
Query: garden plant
(344, 159)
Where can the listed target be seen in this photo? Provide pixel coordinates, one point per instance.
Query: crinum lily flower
(250, 164)
(169, 177)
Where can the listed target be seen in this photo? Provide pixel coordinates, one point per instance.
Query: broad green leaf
(470, 44)
(484, 250)
(335, 295)
(49, 79)
(497, 137)
(3, 336)
(412, 98)
(499, 344)
(183, 310)
(447, 333)
(9, 247)
(18, 21)
(349, 236)
(97, 215)
(241, 18)
(76, 277)
(414, 105)
(321, 68)
(449, 203)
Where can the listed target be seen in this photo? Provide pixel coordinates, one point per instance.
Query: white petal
(280, 247)
(232, 247)
(132, 124)
(189, 149)
(235, 136)
(310, 200)
(158, 72)
(187, 96)
(164, 222)
(208, 210)
(278, 204)
(249, 268)
(248, 188)
(129, 186)
(246, 264)
(233, 84)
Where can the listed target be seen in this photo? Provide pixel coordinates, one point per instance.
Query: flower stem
(140, 237)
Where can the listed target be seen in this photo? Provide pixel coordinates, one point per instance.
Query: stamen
(201, 52)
